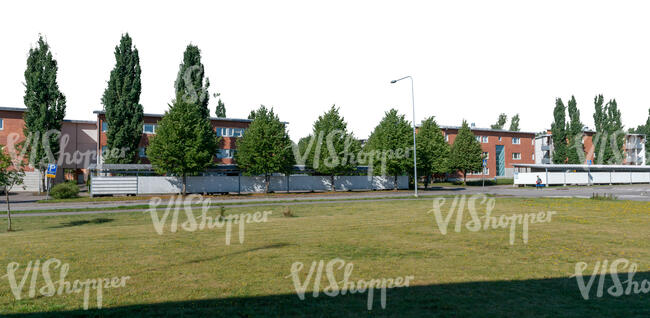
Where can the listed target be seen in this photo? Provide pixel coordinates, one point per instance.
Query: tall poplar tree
(190, 84)
(514, 123)
(45, 107)
(616, 134)
(559, 134)
(501, 122)
(600, 125)
(220, 112)
(121, 102)
(466, 153)
(576, 153)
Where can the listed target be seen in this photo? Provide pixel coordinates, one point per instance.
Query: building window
(516, 155)
(149, 128)
(230, 132)
(486, 171)
(484, 139)
(533, 157)
(515, 141)
(143, 152)
(104, 126)
(104, 148)
(226, 153)
(446, 138)
(499, 138)
(486, 155)
(2, 124)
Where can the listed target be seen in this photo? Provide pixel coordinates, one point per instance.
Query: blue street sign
(51, 171)
(484, 162)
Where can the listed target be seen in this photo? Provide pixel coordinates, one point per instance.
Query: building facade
(501, 148)
(229, 129)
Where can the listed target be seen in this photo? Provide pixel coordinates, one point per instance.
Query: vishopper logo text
(49, 287)
(344, 286)
(618, 287)
(477, 223)
(204, 221)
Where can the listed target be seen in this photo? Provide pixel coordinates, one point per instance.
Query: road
(24, 202)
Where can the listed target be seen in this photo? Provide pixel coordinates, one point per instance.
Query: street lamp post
(415, 162)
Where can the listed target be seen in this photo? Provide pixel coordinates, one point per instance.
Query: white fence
(101, 185)
(581, 178)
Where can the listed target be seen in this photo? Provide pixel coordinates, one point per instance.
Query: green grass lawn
(461, 274)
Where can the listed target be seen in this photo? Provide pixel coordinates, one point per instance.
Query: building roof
(14, 109)
(488, 129)
(211, 118)
(77, 121)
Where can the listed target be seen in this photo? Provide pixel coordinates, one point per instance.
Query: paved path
(624, 192)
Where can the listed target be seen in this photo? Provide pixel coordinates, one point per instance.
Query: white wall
(583, 178)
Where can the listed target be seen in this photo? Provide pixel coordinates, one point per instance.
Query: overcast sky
(469, 59)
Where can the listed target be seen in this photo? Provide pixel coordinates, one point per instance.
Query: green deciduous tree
(11, 175)
(265, 148)
(514, 123)
(559, 134)
(185, 143)
(331, 148)
(575, 152)
(45, 107)
(466, 154)
(121, 102)
(433, 150)
(501, 122)
(390, 145)
(190, 84)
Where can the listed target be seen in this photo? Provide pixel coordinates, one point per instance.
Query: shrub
(65, 190)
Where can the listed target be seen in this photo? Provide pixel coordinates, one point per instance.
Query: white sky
(469, 59)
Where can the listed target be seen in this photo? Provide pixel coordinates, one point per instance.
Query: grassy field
(461, 274)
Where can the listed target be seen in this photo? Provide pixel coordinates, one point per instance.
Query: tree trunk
(184, 184)
(464, 177)
(332, 180)
(267, 180)
(395, 183)
(426, 182)
(8, 210)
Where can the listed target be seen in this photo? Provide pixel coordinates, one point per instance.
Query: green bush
(65, 190)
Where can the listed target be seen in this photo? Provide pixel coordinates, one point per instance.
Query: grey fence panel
(218, 184)
(159, 185)
(212, 184)
(114, 185)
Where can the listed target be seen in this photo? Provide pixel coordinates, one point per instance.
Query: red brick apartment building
(229, 129)
(502, 148)
(78, 142)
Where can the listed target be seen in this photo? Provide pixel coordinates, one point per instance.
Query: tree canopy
(466, 154)
(432, 150)
(266, 147)
(185, 142)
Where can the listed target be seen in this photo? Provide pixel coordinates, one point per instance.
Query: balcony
(546, 148)
(546, 161)
(633, 145)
